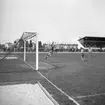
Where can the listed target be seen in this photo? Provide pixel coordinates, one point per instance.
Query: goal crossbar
(28, 35)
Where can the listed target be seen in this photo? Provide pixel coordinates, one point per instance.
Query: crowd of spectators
(47, 47)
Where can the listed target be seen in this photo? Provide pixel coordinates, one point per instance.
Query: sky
(53, 20)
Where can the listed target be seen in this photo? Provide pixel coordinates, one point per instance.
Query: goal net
(21, 52)
(27, 48)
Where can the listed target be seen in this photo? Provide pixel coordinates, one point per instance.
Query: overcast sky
(54, 20)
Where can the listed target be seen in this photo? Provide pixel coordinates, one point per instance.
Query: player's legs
(46, 57)
(90, 54)
(49, 54)
(82, 56)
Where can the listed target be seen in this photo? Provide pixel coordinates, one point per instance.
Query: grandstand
(89, 41)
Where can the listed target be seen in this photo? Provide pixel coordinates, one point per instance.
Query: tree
(40, 44)
(27, 44)
(2, 46)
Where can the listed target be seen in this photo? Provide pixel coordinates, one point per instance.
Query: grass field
(81, 80)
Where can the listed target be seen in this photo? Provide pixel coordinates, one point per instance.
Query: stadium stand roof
(93, 38)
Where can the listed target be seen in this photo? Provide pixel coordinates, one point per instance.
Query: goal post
(24, 50)
(26, 36)
(37, 53)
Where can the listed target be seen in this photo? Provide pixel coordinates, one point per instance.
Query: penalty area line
(70, 98)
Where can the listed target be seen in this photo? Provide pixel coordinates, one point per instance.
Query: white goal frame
(25, 37)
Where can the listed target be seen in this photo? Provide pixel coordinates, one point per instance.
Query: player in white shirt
(90, 50)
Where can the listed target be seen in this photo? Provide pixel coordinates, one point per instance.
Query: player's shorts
(82, 55)
(90, 52)
(49, 54)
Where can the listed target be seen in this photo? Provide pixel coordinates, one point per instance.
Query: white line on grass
(70, 98)
(87, 96)
(57, 52)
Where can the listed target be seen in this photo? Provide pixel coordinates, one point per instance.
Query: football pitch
(64, 75)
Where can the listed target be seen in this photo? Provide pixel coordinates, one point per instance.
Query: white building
(8, 45)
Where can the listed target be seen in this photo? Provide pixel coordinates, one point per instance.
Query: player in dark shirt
(50, 53)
